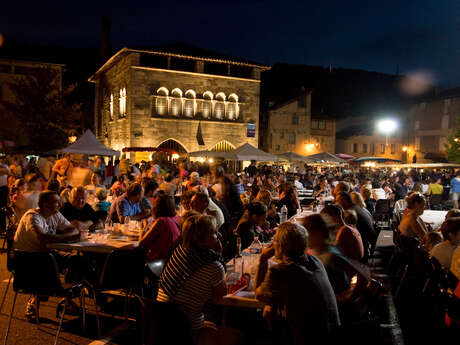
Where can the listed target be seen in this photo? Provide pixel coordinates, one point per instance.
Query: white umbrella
(89, 145)
(247, 152)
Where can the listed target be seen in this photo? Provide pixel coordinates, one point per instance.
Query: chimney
(105, 49)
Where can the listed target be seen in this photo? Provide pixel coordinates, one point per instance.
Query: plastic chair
(37, 274)
(123, 270)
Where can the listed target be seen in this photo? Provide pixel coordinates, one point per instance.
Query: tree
(40, 113)
(453, 144)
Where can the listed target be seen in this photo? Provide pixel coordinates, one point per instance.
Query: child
(102, 204)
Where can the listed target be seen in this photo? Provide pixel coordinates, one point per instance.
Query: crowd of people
(197, 217)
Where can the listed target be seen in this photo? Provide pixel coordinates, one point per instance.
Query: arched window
(161, 101)
(122, 102)
(206, 104)
(111, 107)
(232, 107)
(190, 103)
(175, 107)
(219, 108)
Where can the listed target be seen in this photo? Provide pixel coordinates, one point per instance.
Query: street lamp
(387, 127)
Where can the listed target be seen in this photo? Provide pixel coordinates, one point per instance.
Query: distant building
(289, 126)
(429, 123)
(362, 139)
(160, 97)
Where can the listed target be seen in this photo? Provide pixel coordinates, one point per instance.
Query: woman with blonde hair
(366, 193)
(358, 199)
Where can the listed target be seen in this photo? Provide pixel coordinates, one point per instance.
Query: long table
(97, 246)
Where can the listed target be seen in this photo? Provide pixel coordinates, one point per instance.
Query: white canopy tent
(247, 152)
(206, 153)
(89, 145)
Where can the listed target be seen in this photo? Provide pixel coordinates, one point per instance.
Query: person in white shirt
(29, 200)
(297, 183)
(444, 251)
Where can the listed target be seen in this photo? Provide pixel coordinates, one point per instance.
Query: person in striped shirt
(195, 275)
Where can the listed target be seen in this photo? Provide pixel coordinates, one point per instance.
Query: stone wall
(140, 129)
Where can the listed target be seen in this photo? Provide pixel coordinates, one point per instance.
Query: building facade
(362, 139)
(176, 100)
(290, 127)
(429, 123)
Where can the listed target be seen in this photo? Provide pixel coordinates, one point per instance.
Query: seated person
(322, 189)
(298, 286)
(160, 237)
(119, 187)
(102, 205)
(185, 200)
(79, 212)
(348, 239)
(41, 226)
(443, 252)
(289, 198)
(194, 276)
(127, 205)
(95, 183)
(272, 216)
(247, 227)
(337, 266)
(149, 189)
(411, 224)
(435, 187)
(211, 209)
(29, 198)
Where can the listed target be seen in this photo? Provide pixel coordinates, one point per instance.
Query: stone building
(429, 123)
(180, 98)
(362, 139)
(289, 126)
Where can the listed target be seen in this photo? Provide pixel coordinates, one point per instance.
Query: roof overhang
(125, 50)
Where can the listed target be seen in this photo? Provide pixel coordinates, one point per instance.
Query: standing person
(108, 174)
(168, 186)
(435, 187)
(455, 188)
(298, 287)
(63, 167)
(45, 166)
(30, 198)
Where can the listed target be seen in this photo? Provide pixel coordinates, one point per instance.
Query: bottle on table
(284, 214)
(238, 247)
(256, 246)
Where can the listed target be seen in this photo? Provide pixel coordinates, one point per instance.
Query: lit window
(161, 101)
(206, 104)
(161, 104)
(314, 124)
(122, 102)
(232, 107)
(111, 107)
(176, 102)
(322, 124)
(189, 103)
(219, 107)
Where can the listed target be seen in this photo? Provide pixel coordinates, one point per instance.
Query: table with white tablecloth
(434, 218)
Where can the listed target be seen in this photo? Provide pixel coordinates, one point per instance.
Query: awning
(376, 159)
(206, 153)
(247, 152)
(326, 157)
(89, 145)
(294, 157)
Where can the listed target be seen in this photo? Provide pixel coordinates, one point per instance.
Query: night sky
(365, 34)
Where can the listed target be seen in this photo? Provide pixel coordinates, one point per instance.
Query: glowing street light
(387, 126)
(404, 148)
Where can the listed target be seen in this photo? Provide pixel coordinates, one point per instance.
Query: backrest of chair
(123, 268)
(156, 267)
(382, 206)
(435, 199)
(163, 323)
(35, 273)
